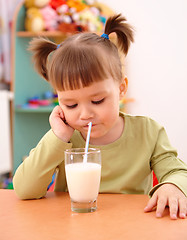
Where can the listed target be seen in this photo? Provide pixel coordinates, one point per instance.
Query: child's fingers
(168, 195)
(173, 207)
(151, 204)
(61, 113)
(56, 113)
(58, 110)
(182, 208)
(161, 204)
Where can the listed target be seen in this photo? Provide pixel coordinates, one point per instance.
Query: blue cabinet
(29, 125)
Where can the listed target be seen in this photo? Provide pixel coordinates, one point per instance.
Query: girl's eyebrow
(92, 95)
(66, 99)
(98, 93)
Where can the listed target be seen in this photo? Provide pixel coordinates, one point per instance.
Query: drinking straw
(87, 142)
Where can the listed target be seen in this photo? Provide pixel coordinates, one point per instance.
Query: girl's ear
(123, 87)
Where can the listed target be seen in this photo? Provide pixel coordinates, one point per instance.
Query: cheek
(110, 113)
(69, 116)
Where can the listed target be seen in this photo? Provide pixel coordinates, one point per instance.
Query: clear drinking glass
(83, 173)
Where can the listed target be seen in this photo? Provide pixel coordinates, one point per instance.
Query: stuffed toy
(77, 5)
(90, 18)
(57, 3)
(77, 15)
(50, 18)
(34, 21)
(36, 3)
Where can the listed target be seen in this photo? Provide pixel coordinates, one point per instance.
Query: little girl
(85, 70)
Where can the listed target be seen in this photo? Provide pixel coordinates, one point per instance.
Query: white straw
(87, 141)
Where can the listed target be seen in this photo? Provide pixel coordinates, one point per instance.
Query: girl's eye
(72, 106)
(98, 102)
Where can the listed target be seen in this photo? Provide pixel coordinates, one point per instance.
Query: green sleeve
(167, 166)
(33, 176)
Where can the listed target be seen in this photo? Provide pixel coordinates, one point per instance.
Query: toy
(36, 3)
(48, 99)
(55, 99)
(7, 183)
(71, 28)
(34, 21)
(65, 15)
(90, 18)
(81, 16)
(63, 12)
(57, 3)
(50, 18)
(77, 5)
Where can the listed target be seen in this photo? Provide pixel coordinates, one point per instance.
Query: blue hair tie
(58, 46)
(104, 35)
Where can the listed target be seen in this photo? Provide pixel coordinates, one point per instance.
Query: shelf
(47, 109)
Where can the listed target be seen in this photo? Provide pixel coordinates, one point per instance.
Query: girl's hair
(83, 58)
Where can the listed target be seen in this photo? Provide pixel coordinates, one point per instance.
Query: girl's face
(99, 104)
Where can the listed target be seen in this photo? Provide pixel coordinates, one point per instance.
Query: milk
(83, 180)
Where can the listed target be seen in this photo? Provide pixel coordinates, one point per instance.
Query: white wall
(156, 65)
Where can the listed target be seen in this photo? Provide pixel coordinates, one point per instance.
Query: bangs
(77, 67)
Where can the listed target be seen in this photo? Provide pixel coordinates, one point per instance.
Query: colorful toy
(57, 3)
(36, 3)
(34, 21)
(90, 18)
(55, 99)
(7, 183)
(71, 27)
(77, 5)
(48, 95)
(48, 99)
(65, 15)
(50, 18)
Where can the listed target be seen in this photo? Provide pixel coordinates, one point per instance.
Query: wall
(156, 65)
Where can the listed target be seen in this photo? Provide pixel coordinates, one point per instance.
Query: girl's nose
(86, 113)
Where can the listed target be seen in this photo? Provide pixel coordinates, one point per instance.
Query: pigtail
(41, 48)
(123, 30)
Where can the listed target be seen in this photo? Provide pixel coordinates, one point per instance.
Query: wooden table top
(118, 216)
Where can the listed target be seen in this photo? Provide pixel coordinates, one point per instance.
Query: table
(118, 216)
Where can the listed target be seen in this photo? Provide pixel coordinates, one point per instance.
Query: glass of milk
(83, 173)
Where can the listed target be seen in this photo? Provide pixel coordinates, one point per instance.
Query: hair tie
(58, 46)
(104, 35)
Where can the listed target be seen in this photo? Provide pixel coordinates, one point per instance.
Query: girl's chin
(93, 135)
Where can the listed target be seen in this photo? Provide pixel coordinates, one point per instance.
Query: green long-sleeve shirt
(127, 163)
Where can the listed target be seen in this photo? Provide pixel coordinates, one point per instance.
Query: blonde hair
(83, 58)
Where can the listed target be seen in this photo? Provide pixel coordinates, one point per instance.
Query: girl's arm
(35, 173)
(172, 177)
(166, 164)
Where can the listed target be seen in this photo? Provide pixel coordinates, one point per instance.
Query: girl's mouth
(86, 126)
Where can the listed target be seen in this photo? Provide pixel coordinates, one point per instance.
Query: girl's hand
(59, 126)
(168, 195)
